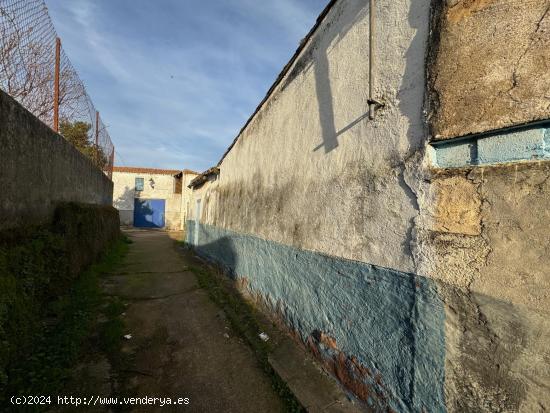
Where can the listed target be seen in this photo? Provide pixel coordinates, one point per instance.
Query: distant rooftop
(203, 177)
(154, 171)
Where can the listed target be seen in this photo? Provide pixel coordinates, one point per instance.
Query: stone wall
(39, 169)
(490, 65)
(482, 236)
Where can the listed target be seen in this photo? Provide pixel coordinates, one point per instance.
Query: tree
(27, 60)
(78, 133)
(27, 65)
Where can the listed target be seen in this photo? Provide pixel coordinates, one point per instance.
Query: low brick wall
(39, 169)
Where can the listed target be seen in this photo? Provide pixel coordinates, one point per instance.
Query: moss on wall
(40, 264)
(39, 168)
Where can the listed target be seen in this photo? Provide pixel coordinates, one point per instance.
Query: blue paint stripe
(519, 144)
(392, 322)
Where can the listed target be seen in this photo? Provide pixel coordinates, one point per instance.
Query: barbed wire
(28, 67)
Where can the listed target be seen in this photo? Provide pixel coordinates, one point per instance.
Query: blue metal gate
(149, 213)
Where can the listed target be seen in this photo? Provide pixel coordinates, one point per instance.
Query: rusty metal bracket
(372, 107)
(376, 103)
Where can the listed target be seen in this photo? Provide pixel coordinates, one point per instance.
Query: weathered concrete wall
(311, 152)
(186, 196)
(486, 229)
(491, 65)
(124, 194)
(483, 235)
(39, 169)
(312, 173)
(343, 226)
(173, 213)
(380, 331)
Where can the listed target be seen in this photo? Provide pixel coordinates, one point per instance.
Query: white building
(151, 198)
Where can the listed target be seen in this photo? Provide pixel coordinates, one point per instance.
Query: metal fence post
(96, 152)
(56, 85)
(34, 51)
(111, 163)
(96, 128)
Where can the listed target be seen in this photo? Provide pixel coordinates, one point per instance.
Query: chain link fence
(36, 71)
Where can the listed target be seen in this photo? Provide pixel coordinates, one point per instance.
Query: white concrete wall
(186, 196)
(311, 170)
(207, 194)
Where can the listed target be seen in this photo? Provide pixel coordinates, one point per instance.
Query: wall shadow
(332, 144)
(222, 252)
(324, 101)
(145, 216)
(126, 199)
(317, 55)
(411, 97)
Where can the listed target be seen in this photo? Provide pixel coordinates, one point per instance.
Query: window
(139, 184)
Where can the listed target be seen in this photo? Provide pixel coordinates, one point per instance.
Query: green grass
(66, 334)
(244, 321)
(111, 332)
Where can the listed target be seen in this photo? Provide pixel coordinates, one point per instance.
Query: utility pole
(56, 85)
(372, 102)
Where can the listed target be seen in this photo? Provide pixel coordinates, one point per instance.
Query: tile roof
(154, 171)
(202, 178)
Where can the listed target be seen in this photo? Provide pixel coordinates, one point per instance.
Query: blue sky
(175, 80)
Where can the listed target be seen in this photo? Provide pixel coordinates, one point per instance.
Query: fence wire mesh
(28, 73)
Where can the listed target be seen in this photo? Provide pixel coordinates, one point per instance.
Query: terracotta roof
(283, 73)
(202, 178)
(157, 171)
(186, 172)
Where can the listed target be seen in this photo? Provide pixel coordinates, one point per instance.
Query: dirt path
(181, 344)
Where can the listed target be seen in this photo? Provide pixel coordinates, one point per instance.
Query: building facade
(152, 198)
(389, 201)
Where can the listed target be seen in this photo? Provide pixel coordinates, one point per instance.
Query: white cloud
(175, 88)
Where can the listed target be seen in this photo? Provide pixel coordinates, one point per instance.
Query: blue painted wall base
(525, 143)
(392, 323)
